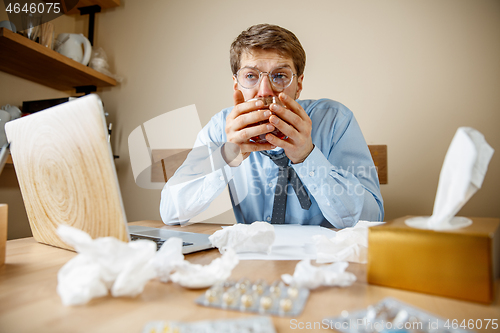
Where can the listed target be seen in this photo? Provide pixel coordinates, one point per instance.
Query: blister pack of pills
(241, 325)
(391, 315)
(258, 297)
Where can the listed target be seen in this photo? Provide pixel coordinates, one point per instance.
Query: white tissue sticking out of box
(348, 244)
(255, 237)
(462, 174)
(311, 277)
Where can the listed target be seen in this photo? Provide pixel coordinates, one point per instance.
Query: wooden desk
(29, 302)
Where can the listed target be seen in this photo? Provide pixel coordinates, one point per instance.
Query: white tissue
(108, 264)
(349, 244)
(255, 237)
(311, 277)
(168, 258)
(462, 174)
(101, 265)
(198, 276)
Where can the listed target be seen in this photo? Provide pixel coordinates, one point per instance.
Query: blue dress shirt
(339, 175)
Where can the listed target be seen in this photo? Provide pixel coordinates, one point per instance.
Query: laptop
(67, 175)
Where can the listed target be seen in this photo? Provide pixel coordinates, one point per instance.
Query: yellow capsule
(228, 297)
(247, 300)
(266, 302)
(292, 292)
(275, 288)
(211, 295)
(242, 285)
(286, 304)
(258, 288)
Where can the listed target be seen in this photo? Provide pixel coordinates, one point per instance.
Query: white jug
(70, 45)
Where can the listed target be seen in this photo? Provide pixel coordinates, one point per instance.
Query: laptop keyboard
(159, 242)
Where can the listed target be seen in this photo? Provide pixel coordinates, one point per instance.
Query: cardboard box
(459, 263)
(3, 232)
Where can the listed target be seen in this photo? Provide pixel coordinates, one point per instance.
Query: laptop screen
(66, 171)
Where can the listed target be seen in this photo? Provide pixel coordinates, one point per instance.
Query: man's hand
(238, 146)
(294, 122)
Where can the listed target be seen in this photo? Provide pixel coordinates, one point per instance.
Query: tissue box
(3, 232)
(460, 263)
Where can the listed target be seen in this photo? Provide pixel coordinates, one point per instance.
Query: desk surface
(29, 302)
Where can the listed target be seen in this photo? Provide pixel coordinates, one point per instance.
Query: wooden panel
(66, 172)
(32, 61)
(166, 162)
(85, 3)
(379, 155)
(3, 232)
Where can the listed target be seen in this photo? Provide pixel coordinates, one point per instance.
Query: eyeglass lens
(280, 78)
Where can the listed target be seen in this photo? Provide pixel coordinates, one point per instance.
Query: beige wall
(411, 71)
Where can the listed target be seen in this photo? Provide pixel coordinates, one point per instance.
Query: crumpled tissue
(103, 264)
(108, 264)
(255, 237)
(349, 244)
(168, 258)
(196, 276)
(462, 174)
(311, 277)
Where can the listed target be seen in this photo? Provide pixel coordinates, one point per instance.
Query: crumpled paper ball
(103, 264)
(108, 264)
(255, 237)
(196, 276)
(168, 258)
(311, 277)
(349, 244)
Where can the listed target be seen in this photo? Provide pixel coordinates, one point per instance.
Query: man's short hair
(268, 37)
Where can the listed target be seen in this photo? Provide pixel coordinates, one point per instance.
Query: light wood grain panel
(65, 170)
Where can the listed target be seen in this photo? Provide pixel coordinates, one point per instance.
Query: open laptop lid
(66, 172)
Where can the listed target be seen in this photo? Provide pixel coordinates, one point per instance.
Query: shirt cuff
(312, 165)
(219, 165)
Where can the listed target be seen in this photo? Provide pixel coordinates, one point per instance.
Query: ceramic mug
(8, 25)
(70, 45)
(12, 110)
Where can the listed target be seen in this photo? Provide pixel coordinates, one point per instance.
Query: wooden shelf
(85, 3)
(27, 59)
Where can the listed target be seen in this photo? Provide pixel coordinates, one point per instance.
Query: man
(321, 173)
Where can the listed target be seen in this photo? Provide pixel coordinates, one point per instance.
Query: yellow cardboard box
(3, 232)
(461, 263)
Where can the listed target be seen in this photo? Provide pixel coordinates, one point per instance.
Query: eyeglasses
(280, 78)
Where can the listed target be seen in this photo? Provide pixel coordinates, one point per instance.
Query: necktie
(286, 174)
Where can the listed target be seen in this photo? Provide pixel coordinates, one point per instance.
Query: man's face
(266, 61)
